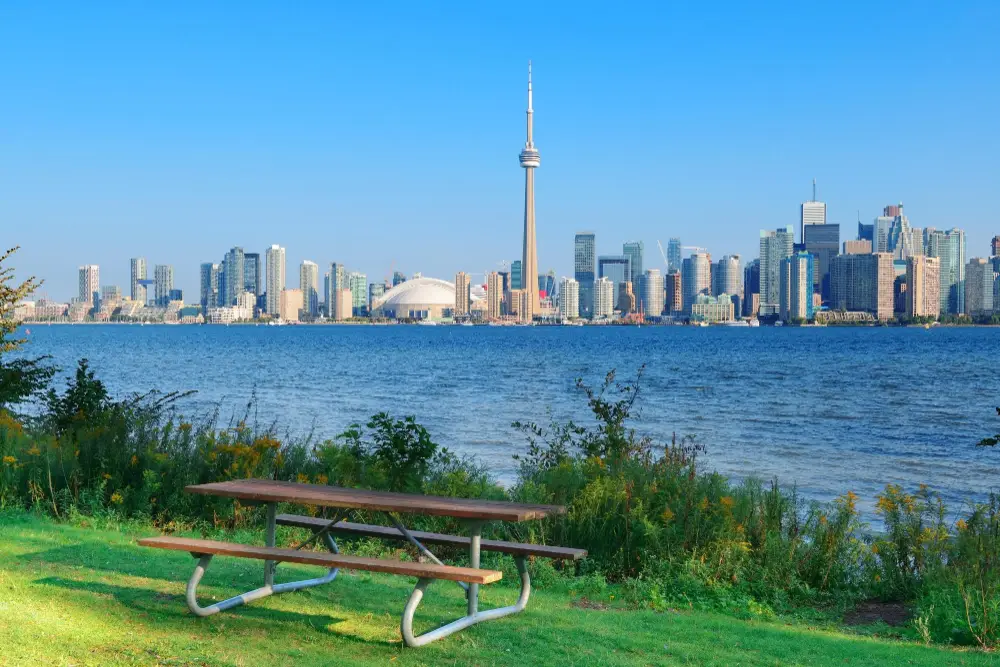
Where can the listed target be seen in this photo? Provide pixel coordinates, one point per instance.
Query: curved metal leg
(250, 596)
(406, 627)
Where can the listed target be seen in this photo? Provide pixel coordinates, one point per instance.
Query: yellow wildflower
(960, 524)
(9, 460)
(302, 479)
(667, 515)
(322, 479)
(34, 451)
(116, 498)
(727, 502)
(135, 461)
(107, 476)
(184, 427)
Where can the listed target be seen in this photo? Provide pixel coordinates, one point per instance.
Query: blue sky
(386, 135)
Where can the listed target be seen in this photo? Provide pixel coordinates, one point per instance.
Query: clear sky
(386, 135)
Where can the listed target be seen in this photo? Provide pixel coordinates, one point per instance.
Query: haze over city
(388, 140)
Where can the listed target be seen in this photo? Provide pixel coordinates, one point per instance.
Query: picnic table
(474, 513)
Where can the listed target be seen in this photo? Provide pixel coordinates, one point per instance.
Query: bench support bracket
(269, 588)
(474, 616)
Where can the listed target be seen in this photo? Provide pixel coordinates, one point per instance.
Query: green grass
(72, 594)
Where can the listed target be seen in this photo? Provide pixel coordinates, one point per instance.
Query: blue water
(831, 409)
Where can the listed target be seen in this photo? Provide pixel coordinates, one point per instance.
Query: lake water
(831, 409)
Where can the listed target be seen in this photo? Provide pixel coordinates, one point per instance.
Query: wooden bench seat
(390, 533)
(420, 570)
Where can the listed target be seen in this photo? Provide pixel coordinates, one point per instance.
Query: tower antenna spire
(814, 189)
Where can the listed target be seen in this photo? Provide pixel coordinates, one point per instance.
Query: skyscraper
(674, 254)
(515, 275)
(494, 295)
(617, 268)
(547, 284)
(275, 258)
(604, 299)
(923, 284)
(90, 285)
(673, 295)
(334, 281)
(163, 283)
(823, 243)
(585, 270)
(995, 246)
(569, 298)
(979, 287)
(209, 287)
(949, 247)
(696, 278)
(309, 286)
(751, 288)
(463, 294)
(375, 292)
(530, 160)
(138, 272)
(727, 278)
(357, 282)
(633, 250)
(651, 297)
(797, 287)
(233, 276)
(775, 247)
(811, 213)
(253, 281)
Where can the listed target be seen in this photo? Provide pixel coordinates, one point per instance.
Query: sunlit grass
(84, 596)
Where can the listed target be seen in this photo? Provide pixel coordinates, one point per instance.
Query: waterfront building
(208, 287)
(863, 283)
(696, 278)
(275, 258)
(823, 243)
(923, 285)
(137, 291)
(811, 213)
(518, 304)
(727, 278)
(375, 293)
(751, 288)
(652, 297)
(112, 294)
(633, 250)
(234, 275)
(334, 281)
(604, 299)
(89, 285)
(673, 294)
(253, 281)
(797, 283)
(775, 247)
(494, 295)
(344, 303)
(859, 247)
(979, 280)
(357, 282)
(421, 298)
(290, 305)
(163, 282)
(309, 287)
(515, 275)
(949, 247)
(674, 254)
(530, 160)
(569, 299)
(585, 270)
(713, 308)
(626, 302)
(463, 294)
(885, 278)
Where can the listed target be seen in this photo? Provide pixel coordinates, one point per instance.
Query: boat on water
(779, 323)
(427, 323)
(753, 323)
(736, 323)
(467, 324)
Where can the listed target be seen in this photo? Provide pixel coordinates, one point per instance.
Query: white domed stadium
(418, 299)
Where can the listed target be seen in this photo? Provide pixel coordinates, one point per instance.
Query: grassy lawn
(73, 595)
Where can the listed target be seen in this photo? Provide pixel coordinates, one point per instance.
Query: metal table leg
(269, 565)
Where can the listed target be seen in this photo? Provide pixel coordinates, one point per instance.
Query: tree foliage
(20, 378)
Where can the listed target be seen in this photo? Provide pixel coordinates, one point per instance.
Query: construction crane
(666, 263)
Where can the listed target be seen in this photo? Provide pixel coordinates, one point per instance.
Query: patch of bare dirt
(893, 614)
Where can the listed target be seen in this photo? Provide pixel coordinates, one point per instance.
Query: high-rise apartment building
(290, 304)
(309, 286)
(727, 276)
(863, 282)
(89, 287)
(995, 246)
(811, 213)
(138, 272)
(397, 278)
(253, 277)
(275, 258)
(463, 294)
(569, 299)
(949, 247)
(823, 243)
(633, 250)
(696, 278)
(751, 288)
(775, 247)
(515, 275)
(494, 295)
(163, 284)
(604, 298)
(674, 254)
(334, 281)
(652, 297)
(673, 295)
(923, 285)
(626, 302)
(345, 305)
(209, 287)
(797, 287)
(375, 292)
(358, 284)
(234, 275)
(585, 270)
(979, 280)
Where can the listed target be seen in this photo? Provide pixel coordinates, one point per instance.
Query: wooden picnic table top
(265, 490)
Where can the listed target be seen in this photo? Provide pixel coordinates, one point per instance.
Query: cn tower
(529, 261)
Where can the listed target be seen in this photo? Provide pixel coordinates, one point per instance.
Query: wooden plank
(425, 570)
(391, 533)
(263, 490)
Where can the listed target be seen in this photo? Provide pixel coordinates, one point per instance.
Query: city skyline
(218, 161)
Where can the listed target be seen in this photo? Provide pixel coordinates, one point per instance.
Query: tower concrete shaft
(529, 261)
